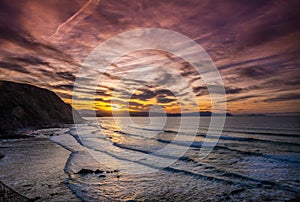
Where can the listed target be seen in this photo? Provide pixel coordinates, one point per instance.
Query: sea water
(255, 158)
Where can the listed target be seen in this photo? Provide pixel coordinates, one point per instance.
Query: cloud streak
(255, 46)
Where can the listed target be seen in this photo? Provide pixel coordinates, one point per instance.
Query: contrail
(74, 16)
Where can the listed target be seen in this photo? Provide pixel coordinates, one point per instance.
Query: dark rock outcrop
(85, 171)
(24, 105)
(9, 195)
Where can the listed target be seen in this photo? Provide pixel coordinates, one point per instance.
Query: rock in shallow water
(85, 171)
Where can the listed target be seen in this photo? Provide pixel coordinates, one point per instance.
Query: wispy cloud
(285, 97)
(255, 46)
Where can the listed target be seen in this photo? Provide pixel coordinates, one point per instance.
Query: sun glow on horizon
(116, 107)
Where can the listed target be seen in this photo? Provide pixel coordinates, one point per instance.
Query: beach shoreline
(33, 169)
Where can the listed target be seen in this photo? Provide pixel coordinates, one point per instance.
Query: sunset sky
(254, 45)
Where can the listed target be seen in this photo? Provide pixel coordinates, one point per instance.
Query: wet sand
(34, 168)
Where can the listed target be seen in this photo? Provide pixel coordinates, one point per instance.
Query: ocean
(255, 159)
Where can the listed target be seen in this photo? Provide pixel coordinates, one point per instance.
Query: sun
(116, 107)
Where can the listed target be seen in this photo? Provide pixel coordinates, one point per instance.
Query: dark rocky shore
(9, 195)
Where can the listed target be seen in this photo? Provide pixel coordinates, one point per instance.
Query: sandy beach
(34, 167)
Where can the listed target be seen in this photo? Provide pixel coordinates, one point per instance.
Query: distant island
(24, 105)
(256, 115)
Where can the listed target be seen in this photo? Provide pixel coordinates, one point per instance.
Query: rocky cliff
(24, 105)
